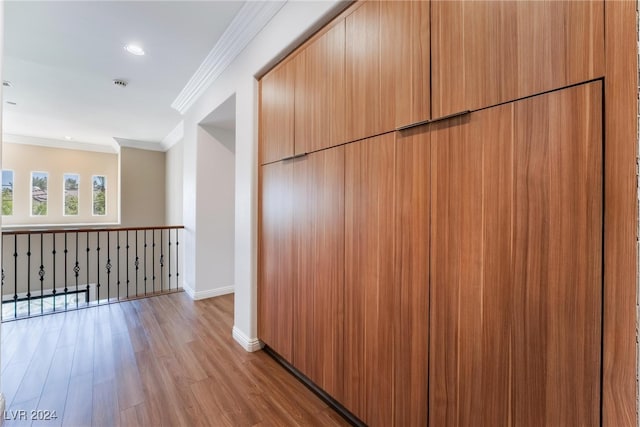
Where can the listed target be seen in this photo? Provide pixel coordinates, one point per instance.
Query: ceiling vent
(120, 83)
(6, 83)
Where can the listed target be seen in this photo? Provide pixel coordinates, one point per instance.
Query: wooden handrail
(90, 230)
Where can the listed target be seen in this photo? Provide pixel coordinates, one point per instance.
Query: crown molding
(250, 20)
(140, 145)
(173, 137)
(57, 143)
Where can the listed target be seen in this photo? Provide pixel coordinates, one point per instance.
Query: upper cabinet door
(387, 67)
(490, 52)
(277, 102)
(319, 94)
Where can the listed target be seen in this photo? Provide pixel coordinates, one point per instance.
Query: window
(71, 186)
(39, 193)
(99, 195)
(7, 192)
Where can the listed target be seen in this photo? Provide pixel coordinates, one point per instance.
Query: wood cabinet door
(277, 107)
(516, 263)
(319, 295)
(319, 93)
(276, 257)
(412, 275)
(370, 289)
(490, 52)
(387, 67)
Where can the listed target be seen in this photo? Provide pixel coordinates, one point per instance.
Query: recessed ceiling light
(6, 83)
(68, 138)
(134, 49)
(11, 103)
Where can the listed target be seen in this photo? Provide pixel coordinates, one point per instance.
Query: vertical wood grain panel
(557, 255)
(363, 103)
(277, 113)
(412, 276)
(404, 59)
(370, 287)
(320, 92)
(516, 274)
(319, 232)
(387, 67)
(276, 257)
(456, 353)
(619, 384)
(486, 53)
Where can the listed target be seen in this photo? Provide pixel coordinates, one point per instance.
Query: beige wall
(173, 172)
(143, 187)
(24, 159)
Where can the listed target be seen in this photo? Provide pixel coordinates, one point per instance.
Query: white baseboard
(249, 344)
(2, 407)
(198, 295)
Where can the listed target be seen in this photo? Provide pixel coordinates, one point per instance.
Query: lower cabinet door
(276, 258)
(370, 290)
(516, 272)
(319, 259)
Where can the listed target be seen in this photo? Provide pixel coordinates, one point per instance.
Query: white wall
(173, 186)
(214, 251)
(292, 23)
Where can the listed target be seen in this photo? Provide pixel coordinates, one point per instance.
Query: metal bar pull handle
(295, 156)
(437, 119)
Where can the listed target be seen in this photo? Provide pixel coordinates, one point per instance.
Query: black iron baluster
(53, 236)
(76, 269)
(153, 259)
(177, 258)
(66, 268)
(108, 266)
(127, 263)
(118, 266)
(88, 299)
(41, 272)
(98, 267)
(15, 276)
(169, 234)
(161, 260)
(29, 275)
(145, 262)
(137, 263)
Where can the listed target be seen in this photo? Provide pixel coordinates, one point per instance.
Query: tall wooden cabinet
(277, 269)
(516, 263)
(434, 248)
(411, 275)
(370, 291)
(319, 263)
(301, 292)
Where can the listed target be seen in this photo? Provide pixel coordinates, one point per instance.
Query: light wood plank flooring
(165, 360)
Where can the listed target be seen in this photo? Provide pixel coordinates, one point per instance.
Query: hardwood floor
(165, 360)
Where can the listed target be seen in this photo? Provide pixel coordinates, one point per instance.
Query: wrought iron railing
(47, 271)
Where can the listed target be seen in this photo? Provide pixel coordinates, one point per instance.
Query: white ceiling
(61, 58)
